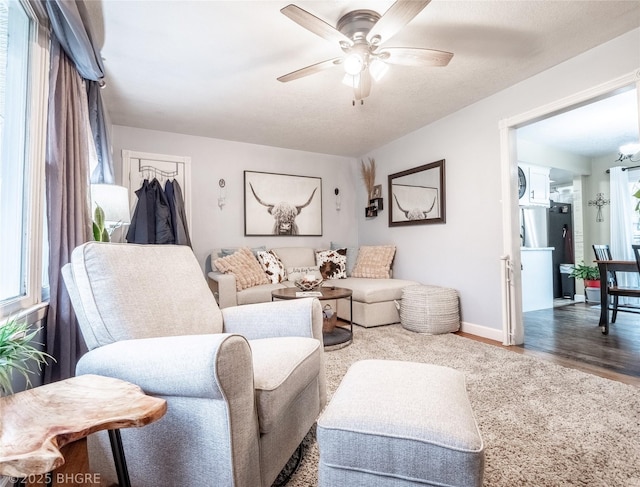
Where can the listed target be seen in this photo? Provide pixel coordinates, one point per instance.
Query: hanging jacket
(178, 214)
(151, 221)
(139, 229)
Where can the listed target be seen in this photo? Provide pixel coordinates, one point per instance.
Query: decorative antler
(269, 206)
(416, 213)
(406, 213)
(299, 208)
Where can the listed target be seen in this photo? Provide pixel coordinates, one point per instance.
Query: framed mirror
(417, 195)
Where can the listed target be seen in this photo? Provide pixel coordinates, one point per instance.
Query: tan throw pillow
(244, 266)
(374, 262)
(272, 266)
(332, 263)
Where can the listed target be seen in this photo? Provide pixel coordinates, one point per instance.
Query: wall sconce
(337, 193)
(222, 196)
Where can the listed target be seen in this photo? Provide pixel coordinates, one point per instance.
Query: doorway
(513, 321)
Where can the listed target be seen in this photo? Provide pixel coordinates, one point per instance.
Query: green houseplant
(588, 273)
(100, 232)
(16, 351)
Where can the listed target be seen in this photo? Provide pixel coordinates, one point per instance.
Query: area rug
(542, 424)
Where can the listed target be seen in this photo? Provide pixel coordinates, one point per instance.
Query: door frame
(512, 317)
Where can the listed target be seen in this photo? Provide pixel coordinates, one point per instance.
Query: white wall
(464, 252)
(598, 182)
(545, 156)
(213, 159)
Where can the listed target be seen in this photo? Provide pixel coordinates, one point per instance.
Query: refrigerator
(542, 227)
(560, 232)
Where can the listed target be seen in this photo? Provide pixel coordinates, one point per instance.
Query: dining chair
(603, 252)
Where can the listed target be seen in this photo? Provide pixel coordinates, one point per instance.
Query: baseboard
(482, 331)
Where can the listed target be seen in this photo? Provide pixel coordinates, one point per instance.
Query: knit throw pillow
(332, 263)
(244, 266)
(374, 262)
(272, 266)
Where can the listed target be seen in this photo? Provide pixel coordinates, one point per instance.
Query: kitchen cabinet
(537, 278)
(536, 185)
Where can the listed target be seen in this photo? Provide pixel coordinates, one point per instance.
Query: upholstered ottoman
(430, 309)
(398, 424)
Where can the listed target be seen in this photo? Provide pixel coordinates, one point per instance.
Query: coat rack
(148, 170)
(138, 166)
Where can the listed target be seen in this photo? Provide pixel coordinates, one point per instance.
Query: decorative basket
(308, 285)
(430, 309)
(329, 319)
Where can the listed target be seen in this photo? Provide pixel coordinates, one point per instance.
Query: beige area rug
(542, 424)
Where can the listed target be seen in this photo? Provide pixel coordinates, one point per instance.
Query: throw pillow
(352, 255)
(272, 266)
(295, 273)
(244, 266)
(374, 262)
(332, 263)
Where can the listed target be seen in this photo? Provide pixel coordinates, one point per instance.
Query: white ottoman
(430, 309)
(398, 424)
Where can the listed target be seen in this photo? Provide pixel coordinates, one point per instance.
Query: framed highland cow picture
(282, 204)
(417, 195)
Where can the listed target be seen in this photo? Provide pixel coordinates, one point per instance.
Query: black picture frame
(282, 205)
(378, 203)
(417, 195)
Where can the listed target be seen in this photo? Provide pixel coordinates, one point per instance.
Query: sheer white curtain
(621, 221)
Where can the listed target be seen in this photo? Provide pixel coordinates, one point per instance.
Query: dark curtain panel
(68, 205)
(70, 24)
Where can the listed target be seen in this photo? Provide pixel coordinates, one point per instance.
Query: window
(22, 129)
(634, 186)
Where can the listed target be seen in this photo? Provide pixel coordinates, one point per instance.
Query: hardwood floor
(572, 332)
(568, 336)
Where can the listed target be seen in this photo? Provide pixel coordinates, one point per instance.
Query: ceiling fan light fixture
(353, 63)
(378, 69)
(351, 81)
(629, 149)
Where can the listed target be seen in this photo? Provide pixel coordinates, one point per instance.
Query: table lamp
(114, 201)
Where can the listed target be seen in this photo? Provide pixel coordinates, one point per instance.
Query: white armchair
(243, 386)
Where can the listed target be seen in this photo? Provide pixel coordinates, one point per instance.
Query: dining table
(606, 266)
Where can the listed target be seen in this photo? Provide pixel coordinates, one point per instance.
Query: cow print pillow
(272, 266)
(332, 263)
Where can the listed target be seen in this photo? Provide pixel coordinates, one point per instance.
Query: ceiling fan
(360, 34)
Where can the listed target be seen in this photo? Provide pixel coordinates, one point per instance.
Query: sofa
(374, 298)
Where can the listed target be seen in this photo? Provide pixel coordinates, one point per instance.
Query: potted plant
(588, 273)
(16, 351)
(591, 277)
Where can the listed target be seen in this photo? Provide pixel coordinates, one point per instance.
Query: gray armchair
(243, 385)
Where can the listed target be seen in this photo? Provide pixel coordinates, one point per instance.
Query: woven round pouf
(430, 309)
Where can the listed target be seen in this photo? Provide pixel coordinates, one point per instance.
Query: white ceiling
(209, 68)
(593, 130)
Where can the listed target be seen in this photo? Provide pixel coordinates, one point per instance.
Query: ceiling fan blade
(394, 19)
(315, 25)
(363, 88)
(313, 69)
(413, 56)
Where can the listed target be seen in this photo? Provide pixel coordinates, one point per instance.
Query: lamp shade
(114, 201)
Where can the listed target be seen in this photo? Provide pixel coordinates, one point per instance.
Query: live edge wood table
(36, 423)
(340, 336)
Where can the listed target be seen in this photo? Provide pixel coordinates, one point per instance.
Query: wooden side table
(35, 424)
